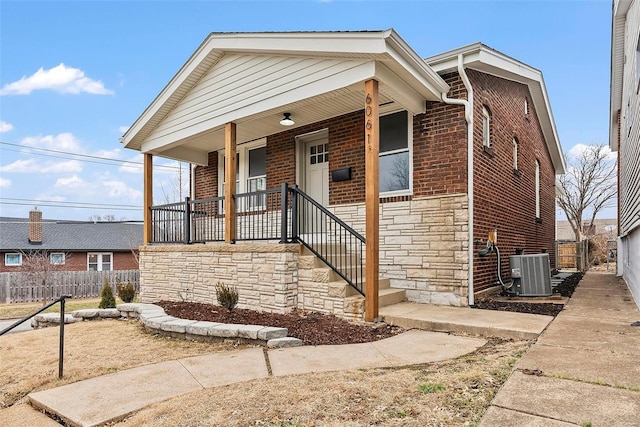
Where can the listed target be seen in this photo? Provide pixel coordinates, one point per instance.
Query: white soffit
(482, 58)
(404, 77)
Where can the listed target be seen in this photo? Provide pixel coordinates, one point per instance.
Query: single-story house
(624, 135)
(71, 245)
(335, 168)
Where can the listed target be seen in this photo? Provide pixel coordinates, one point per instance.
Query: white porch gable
(252, 78)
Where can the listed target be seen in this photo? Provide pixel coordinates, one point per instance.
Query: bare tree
(40, 266)
(178, 185)
(588, 187)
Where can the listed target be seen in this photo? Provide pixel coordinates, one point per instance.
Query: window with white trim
(13, 259)
(515, 154)
(395, 153)
(99, 261)
(486, 127)
(526, 108)
(251, 172)
(537, 189)
(638, 63)
(57, 258)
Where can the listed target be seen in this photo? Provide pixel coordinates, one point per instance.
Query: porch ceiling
(252, 78)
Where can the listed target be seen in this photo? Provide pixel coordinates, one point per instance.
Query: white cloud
(33, 166)
(62, 79)
(5, 183)
(5, 127)
(577, 150)
(123, 129)
(72, 182)
(116, 153)
(62, 142)
(121, 189)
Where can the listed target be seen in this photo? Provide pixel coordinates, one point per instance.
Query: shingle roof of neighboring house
(71, 236)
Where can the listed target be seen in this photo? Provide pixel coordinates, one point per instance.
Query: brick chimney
(35, 226)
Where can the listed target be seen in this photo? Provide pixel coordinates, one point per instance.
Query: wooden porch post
(148, 197)
(230, 182)
(372, 188)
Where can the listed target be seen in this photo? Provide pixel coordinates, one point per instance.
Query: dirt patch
(311, 328)
(565, 289)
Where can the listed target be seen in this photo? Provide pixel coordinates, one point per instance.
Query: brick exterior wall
(503, 199)
(77, 261)
(424, 250)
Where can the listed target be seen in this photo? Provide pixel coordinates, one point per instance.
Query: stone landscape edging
(155, 320)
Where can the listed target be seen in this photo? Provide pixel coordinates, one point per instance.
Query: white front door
(317, 170)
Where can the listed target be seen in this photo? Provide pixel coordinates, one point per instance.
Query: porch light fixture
(287, 121)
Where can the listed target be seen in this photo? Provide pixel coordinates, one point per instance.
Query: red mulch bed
(311, 328)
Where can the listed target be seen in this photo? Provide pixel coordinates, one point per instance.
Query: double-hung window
(100, 261)
(395, 153)
(251, 174)
(486, 127)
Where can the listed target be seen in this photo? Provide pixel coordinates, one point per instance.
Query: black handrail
(329, 238)
(60, 300)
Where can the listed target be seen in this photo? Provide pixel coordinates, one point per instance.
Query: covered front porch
(233, 91)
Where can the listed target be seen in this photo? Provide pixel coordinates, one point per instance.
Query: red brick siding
(504, 200)
(206, 178)
(77, 261)
(439, 146)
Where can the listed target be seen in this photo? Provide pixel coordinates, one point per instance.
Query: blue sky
(117, 56)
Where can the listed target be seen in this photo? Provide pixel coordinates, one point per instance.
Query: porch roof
(481, 57)
(252, 78)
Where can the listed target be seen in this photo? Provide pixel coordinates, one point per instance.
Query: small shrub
(227, 296)
(429, 388)
(126, 292)
(107, 300)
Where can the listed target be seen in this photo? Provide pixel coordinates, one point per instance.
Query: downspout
(468, 115)
(192, 178)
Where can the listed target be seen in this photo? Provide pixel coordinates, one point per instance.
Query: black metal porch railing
(60, 300)
(286, 214)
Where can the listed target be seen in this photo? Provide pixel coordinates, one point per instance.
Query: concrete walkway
(111, 397)
(584, 369)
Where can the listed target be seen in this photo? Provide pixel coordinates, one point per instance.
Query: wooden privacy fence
(567, 258)
(23, 287)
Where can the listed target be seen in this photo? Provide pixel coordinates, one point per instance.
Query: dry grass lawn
(19, 310)
(29, 360)
(451, 393)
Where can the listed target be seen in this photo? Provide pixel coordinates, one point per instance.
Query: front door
(317, 170)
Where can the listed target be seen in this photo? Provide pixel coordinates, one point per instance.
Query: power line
(73, 207)
(127, 162)
(72, 203)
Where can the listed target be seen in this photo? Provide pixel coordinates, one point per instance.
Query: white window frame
(486, 127)
(526, 108)
(242, 185)
(52, 254)
(537, 189)
(409, 149)
(11, 264)
(100, 254)
(515, 153)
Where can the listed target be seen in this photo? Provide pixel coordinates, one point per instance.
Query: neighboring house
(73, 246)
(424, 158)
(624, 135)
(608, 227)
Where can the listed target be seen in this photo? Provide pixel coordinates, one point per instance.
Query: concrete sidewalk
(585, 367)
(111, 397)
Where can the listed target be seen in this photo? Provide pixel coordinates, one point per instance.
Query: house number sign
(368, 125)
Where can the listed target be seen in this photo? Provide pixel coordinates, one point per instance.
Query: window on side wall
(13, 259)
(638, 65)
(395, 154)
(515, 154)
(99, 261)
(486, 127)
(57, 258)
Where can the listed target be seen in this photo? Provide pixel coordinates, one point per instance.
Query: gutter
(468, 115)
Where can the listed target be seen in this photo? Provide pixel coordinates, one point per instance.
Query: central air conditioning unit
(530, 275)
